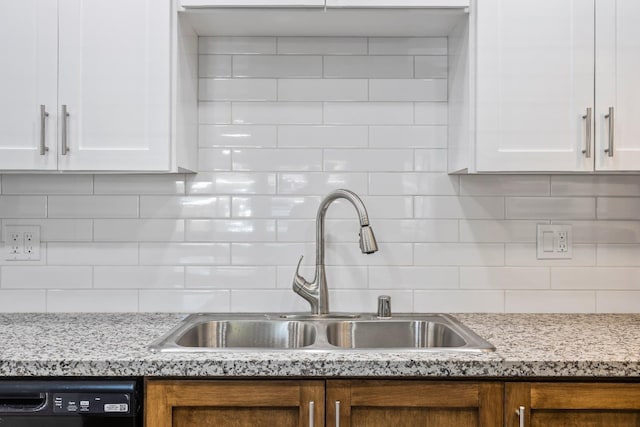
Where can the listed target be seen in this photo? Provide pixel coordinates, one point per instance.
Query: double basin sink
(233, 331)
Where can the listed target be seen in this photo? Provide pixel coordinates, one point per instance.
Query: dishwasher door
(70, 403)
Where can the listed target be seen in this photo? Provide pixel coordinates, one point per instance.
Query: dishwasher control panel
(91, 403)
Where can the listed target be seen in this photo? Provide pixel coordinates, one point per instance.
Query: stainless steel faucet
(316, 292)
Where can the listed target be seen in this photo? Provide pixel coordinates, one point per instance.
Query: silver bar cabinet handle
(312, 410)
(337, 413)
(43, 130)
(588, 117)
(610, 116)
(65, 117)
(520, 413)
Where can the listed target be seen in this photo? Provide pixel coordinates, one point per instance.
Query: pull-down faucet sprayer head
(368, 244)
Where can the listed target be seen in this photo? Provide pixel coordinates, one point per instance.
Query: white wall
(283, 122)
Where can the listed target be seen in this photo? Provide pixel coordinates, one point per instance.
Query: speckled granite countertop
(527, 345)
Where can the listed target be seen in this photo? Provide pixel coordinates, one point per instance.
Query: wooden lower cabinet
(350, 403)
(573, 404)
(234, 403)
(404, 403)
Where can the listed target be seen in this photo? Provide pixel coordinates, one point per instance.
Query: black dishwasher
(70, 403)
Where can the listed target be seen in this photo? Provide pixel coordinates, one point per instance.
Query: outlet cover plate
(27, 245)
(554, 241)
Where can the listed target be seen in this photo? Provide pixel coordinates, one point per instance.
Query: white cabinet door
(397, 3)
(535, 81)
(617, 84)
(28, 79)
(114, 79)
(250, 3)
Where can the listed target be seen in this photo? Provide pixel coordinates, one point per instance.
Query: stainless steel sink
(353, 332)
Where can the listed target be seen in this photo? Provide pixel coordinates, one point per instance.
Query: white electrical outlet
(554, 241)
(22, 242)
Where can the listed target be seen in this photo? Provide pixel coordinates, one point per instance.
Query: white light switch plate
(554, 241)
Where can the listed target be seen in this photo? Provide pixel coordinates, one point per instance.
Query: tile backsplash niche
(283, 121)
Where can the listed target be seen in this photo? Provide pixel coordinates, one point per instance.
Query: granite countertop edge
(527, 345)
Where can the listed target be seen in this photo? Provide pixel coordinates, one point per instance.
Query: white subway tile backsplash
(92, 253)
(214, 66)
(505, 185)
(184, 253)
(322, 46)
(504, 278)
(323, 90)
(368, 113)
(214, 113)
(237, 136)
(413, 277)
(237, 89)
(29, 301)
(184, 301)
(524, 254)
(323, 136)
(138, 230)
(550, 302)
(430, 160)
(459, 301)
(320, 182)
(237, 45)
(93, 206)
(23, 206)
(486, 254)
(223, 277)
(274, 207)
(493, 231)
(292, 66)
(408, 46)
(431, 67)
(413, 184)
(279, 113)
(408, 137)
(595, 278)
(184, 207)
(431, 113)
(617, 301)
(45, 277)
(139, 184)
(459, 207)
(282, 122)
(550, 208)
(399, 67)
(266, 159)
(618, 208)
(425, 90)
(59, 230)
(568, 185)
(47, 184)
(230, 230)
(232, 183)
(214, 159)
(368, 160)
(92, 301)
(135, 277)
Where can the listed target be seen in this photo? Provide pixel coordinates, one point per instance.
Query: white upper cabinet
(108, 78)
(114, 79)
(28, 79)
(535, 76)
(251, 3)
(397, 3)
(323, 3)
(523, 75)
(617, 87)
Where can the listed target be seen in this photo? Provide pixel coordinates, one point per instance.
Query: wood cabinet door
(617, 71)
(403, 403)
(234, 403)
(573, 404)
(115, 81)
(28, 79)
(534, 83)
